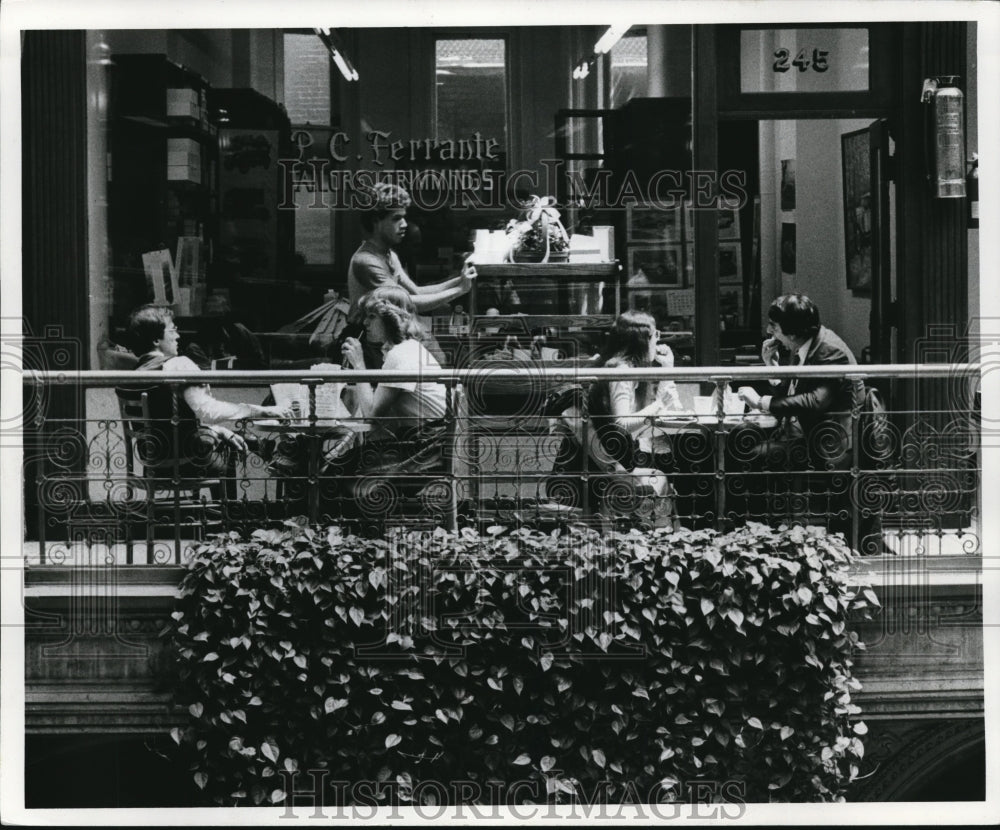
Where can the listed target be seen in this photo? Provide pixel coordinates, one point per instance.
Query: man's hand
(280, 412)
(769, 351)
(231, 438)
(351, 354)
(468, 275)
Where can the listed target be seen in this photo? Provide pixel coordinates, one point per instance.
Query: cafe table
(315, 432)
(711, 438)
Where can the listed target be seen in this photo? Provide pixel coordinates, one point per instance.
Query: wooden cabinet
(161, 188)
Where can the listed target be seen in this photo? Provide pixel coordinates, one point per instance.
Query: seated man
(814, 431)
(204, 445)
(814, 412)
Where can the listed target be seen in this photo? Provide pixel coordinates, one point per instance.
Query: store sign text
(380, 148)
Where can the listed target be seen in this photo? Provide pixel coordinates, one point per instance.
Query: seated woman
(408, 432)
(620, 439)
(204, 445)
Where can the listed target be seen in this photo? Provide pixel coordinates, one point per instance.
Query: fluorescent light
(611, 37)
(333, 45)
(345, 70)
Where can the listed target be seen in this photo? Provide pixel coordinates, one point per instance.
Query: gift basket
(538, 235)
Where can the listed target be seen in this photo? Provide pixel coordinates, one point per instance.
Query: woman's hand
(750, 396)
(351, 354)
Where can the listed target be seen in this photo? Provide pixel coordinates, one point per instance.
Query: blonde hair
(395, 308)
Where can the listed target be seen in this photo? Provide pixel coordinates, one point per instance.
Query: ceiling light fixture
(604, 45)
(610, 38)
(337, 54)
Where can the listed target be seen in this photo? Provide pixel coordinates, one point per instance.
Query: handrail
(706, 374)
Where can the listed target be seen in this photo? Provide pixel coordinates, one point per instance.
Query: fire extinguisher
(946, 129)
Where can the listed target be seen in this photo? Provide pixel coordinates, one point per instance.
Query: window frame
(486, 33)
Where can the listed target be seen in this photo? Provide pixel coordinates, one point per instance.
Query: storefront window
(470, 88)
(629, 77)
(308, 102)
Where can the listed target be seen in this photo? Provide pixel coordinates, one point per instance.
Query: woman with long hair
(618, 440)
(405, 448)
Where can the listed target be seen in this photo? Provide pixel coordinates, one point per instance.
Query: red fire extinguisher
(946, 130)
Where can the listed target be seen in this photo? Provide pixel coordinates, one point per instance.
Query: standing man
(375, 263)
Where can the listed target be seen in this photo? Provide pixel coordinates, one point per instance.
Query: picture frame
(728, 217)
(662, 265)
(859, 234)
(730, 263)
(645, 224)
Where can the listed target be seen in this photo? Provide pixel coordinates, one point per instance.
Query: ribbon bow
(537, 205)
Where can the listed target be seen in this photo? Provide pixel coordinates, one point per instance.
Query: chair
(227, 362)
(142, 439)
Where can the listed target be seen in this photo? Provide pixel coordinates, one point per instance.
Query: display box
(183, 103)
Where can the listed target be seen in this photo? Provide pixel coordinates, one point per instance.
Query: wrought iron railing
(517, 445)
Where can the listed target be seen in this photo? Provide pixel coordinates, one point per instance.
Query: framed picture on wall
(653, 225)
(730, 263)
(858, 232)
(728, 215)
(661, 265)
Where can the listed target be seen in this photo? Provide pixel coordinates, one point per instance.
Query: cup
(703, 405)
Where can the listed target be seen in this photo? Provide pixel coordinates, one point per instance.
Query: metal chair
(171, 484)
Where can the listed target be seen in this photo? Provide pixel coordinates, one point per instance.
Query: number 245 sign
(801, 60)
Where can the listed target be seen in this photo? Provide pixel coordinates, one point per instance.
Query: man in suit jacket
(815, 412)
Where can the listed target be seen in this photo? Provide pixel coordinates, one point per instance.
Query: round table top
(679, 421)
(305, 425)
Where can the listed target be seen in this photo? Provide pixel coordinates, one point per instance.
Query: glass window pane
(628, 70)
(307, 79)
(804, 60)
(471, 88)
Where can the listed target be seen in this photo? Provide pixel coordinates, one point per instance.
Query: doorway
(809, 242)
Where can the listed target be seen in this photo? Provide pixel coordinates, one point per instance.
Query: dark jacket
(819, 400)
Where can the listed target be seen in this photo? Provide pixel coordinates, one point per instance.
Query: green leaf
(357, 615)
(401, 705)
(546, 661)
(208, 658)
(201, 779)
(598, 757)
(332, 704)
(707, 606)
(392, 740)
(277, 795)
(270, 751)
(196, 710)
(755, 723)
(786, 732)
(547, 763)
(522, 759)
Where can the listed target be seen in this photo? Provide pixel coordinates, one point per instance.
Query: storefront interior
(223, 148)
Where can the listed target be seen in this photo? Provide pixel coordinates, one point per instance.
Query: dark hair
(147, 324)
(395, 307)
(628, 340)
(796, 314)
(386, 198)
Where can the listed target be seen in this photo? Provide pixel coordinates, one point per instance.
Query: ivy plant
(629, 664)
